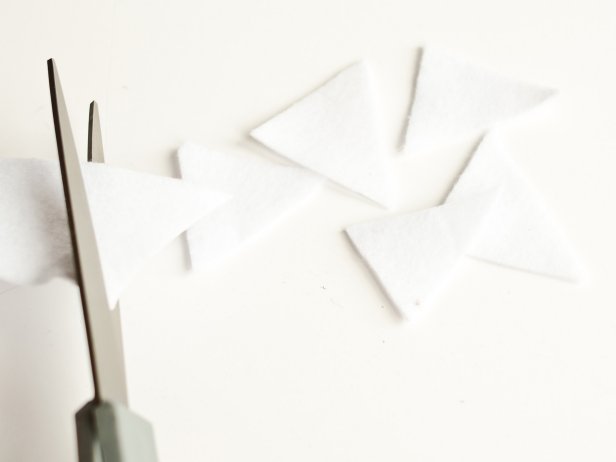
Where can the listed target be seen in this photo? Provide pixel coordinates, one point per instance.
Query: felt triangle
(336, 132)
(413, 255)
(263, 193)
(456, 99)
(521, 232)
(134, 215)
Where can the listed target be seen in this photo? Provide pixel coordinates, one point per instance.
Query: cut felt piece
(413, 255)
(521, 232)
(336, 132)
(263, 194)
(455, 99)
(134, 215)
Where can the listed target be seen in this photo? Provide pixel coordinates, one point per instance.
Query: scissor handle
(110, 432)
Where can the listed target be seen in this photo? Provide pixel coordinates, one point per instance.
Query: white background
(291, 351)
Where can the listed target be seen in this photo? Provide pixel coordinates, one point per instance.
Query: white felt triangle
(263, 194)
(520, 232)
(412, 255)
(336, 132)
(455, 99)
(134, 215)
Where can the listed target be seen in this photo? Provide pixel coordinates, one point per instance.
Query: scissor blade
(95, 138)
(105, 350)
(97, 155)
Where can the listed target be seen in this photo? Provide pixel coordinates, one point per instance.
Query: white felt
(263, 194)
(521, 232)
(455, 99)
(412, 255)
(336, 132)
(134, 215)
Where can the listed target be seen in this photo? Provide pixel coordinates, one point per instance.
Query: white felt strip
(456, 99)
(134, 214)
(263, 193)
(336, 132)
(412, 255)
(521, 232)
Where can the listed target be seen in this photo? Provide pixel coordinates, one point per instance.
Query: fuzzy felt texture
(414, 254)
(336, 132)
(521, 232)
(455, 99)
(134, 214)
(263, 194)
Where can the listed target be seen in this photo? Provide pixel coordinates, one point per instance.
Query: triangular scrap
(336, 132)
(521, 232)
(263, 194)
(455, 99)
(412, 255)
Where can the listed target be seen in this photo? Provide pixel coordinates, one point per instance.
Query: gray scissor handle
(110, 432)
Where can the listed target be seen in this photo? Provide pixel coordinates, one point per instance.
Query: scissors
(107, 430)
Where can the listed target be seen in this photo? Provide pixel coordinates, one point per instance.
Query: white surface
(521, 232)
(263, 194)
(456, 98)
(293, 352)
(135, 215)
(413, 255)
(337, 132)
